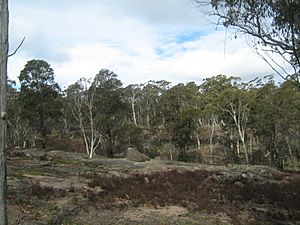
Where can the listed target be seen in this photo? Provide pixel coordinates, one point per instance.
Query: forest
(224, 150)
(224, 120)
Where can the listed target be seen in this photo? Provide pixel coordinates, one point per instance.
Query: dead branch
(21, 43)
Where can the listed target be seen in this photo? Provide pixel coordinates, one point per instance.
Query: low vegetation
(117, 191)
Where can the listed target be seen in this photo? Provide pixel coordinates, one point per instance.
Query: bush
(44, 192)
(191, 156)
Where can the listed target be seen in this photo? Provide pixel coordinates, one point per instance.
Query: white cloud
(138, 40)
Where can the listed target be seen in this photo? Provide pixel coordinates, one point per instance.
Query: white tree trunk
(198, 142)
(238, 116)
(133, 113)
(92, 140)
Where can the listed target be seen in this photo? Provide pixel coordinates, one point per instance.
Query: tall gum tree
(237, 102)
(39, 96)
(81, 100)
(211, 88)
(111, 108)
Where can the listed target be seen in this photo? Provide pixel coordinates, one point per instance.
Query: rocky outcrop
(136, 156)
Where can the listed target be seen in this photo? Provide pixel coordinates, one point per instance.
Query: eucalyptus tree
(151, 93)
(18, 127)
(133, 95)
(39, 94)
(111, 108)
(211, 90)
(180, 110)
(275, 120)
(80, 97)
(288, 103)
(272, 26)
(237, 102)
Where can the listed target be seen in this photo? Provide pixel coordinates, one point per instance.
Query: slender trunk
(238, 148)
(66, 125)
(34, 140)
(246, 152)
(91, 149)
(148, 114)
(3, 101)
(211, 140)
(251, 148)
(240, 122)
(84, 135)
(198, 141)
(290, 149)
(242, 137)
(231, 142)
(148, 121)
(171, 154)
(170, 150)
(133, 113)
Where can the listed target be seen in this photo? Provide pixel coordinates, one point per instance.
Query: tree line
(222, 120)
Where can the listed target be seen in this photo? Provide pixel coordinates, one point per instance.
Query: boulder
(136, 156)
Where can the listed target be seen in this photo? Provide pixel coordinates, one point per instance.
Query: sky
(140, 40)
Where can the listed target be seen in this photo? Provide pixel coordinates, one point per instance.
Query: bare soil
(59, 187)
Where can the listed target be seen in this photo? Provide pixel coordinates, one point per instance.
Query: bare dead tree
(3, 101)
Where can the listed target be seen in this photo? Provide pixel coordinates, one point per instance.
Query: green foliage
(272, 25)
(191, 156)
(39, 96)
(255, 122)
(276, 121)
(180, 113)
(110, 106)
(134, 136)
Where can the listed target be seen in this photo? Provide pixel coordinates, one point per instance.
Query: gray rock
(136, 156)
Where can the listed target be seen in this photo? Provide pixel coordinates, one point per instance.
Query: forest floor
(59, 187)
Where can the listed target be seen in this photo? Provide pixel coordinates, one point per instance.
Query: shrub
(45, 192)
(192, 156)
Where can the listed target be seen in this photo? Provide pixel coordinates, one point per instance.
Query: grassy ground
(66, 188)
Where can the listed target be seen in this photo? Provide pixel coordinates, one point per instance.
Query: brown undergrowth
(200, 190)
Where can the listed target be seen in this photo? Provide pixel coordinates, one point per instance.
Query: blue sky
(140, 40)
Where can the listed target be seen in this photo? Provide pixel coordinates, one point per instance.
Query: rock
(244, 175)
(146, 180)
(136, 156)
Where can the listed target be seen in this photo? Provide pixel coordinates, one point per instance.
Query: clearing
(59, 187)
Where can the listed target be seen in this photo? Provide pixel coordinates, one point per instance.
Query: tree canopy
(272, 26)
(222, 120)
(39, 95)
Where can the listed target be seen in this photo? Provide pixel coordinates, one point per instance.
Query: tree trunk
(198, 141)
(238, 149)
(251, 148)
(133, 113)
(171, 155)
(3, 100)
(290, 149)
(211, 136)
